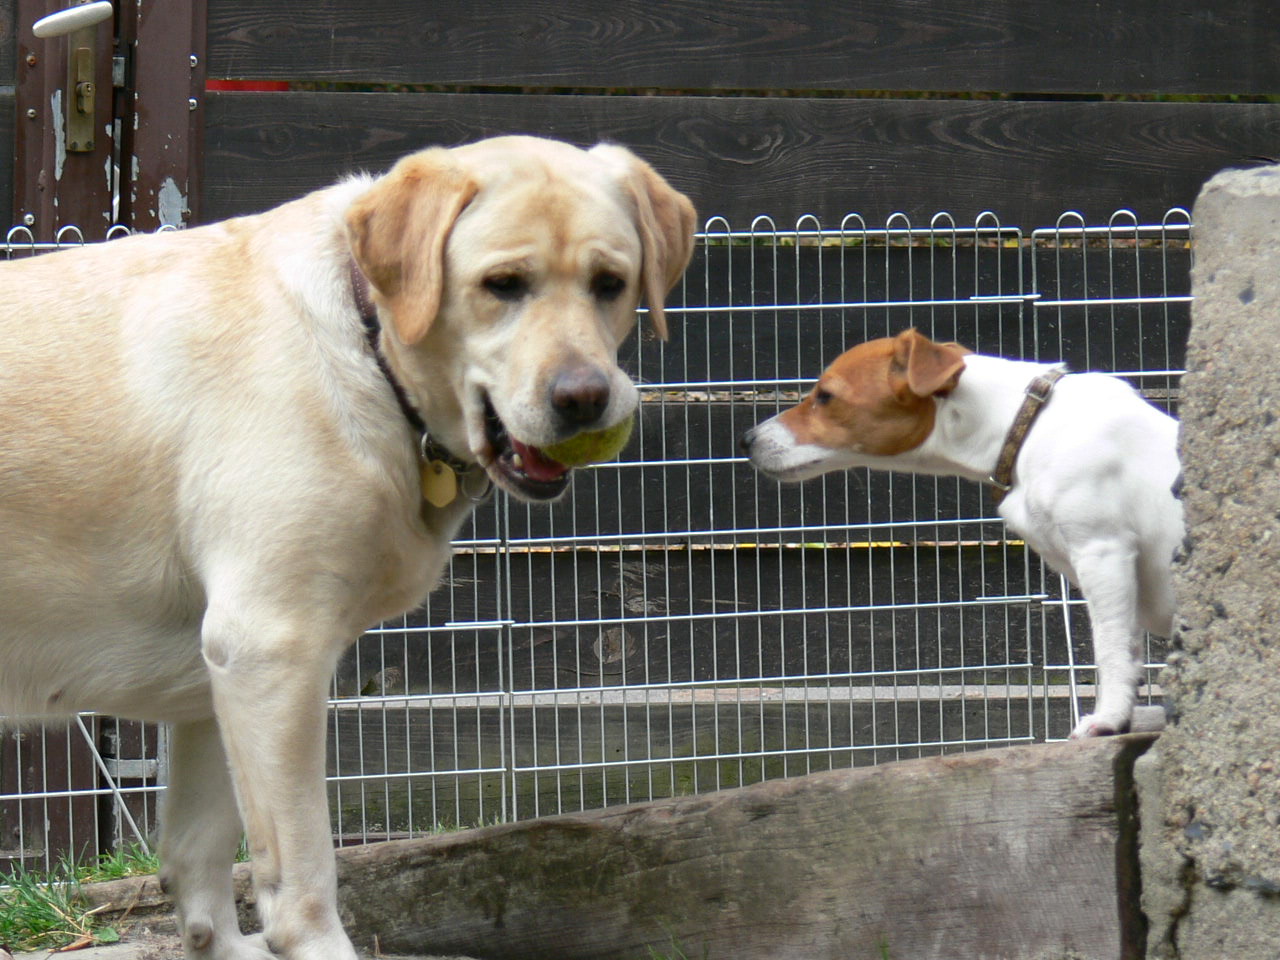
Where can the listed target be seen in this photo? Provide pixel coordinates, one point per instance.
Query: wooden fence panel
(161, 135)
(6, 159)
(7, 41)
(742, 156)
(7, 72)
(1034, 46)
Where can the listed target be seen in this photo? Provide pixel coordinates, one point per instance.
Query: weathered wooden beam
(1002, 853)
(1020, 852)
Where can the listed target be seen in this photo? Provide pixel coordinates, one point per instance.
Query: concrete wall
(1211, 861)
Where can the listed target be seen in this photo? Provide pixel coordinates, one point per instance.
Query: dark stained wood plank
(741, 157)
(39, 831)
(161, 135)
(669, 620)
(1034, 46)
(7, 43)
(6, 159)
(406, 768)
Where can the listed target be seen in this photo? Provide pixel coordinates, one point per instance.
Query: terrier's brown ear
(931, 368)
(397, 230)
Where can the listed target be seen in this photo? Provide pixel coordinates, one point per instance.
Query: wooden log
(1016, 853)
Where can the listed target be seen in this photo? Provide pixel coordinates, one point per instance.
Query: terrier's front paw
(1097, 725)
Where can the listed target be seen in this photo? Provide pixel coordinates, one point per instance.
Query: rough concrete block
(1221, 758)
(1164, 897)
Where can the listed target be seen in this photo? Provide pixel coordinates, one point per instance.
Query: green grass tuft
(42, 911)
(45, 910)
(130, 860)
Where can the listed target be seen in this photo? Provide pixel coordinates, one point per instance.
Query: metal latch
(78, 25)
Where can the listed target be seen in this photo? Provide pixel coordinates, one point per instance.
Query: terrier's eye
(821, 397)
(507, 286)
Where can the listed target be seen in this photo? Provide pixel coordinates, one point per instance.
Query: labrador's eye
(507, 286)
(607, 286)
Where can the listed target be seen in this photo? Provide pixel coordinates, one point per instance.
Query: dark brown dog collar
(1037, 395)
(429, 448)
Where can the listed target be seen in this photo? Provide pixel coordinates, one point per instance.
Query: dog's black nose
(744, 444)
(580, 394)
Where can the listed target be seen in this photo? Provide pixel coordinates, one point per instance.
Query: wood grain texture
(6, 159)
(1002, 854)
(823, 610)
(710, 741)
(740, 157)
(1035, 46)
(7, 42)
(998, 854)
(161, 135)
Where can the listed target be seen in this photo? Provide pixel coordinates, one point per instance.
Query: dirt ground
(141, 943)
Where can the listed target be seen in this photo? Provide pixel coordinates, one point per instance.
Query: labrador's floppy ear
(397, 231)
(930, 368)
(666, 220)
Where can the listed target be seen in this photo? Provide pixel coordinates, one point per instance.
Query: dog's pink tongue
(536, 464)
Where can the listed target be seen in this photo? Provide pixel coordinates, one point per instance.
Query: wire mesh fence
(677, 623)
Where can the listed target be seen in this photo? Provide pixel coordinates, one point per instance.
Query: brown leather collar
(1037, 395)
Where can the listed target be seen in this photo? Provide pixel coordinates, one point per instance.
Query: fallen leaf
(82, 943)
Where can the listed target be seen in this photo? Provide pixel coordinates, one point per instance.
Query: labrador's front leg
(269, 682)
(201, 831)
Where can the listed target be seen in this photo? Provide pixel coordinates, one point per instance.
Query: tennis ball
(594, 446)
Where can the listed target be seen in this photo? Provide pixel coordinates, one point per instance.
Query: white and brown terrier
(1084, 470)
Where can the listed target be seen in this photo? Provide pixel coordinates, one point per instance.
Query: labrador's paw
(202, 943)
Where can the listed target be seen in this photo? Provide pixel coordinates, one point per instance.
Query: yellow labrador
(214, 447)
